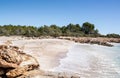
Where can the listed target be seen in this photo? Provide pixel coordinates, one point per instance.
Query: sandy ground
(48, 52)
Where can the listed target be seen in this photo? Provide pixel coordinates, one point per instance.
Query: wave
(92, 61)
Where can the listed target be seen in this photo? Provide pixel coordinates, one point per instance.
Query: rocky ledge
(99, 40)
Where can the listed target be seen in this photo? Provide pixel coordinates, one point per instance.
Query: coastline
(48, 52)
(51, 49)
(90, 61)
(51, 53)
(91, 40)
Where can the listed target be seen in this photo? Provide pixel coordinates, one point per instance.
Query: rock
(2, 71)
(14, 63)
(75, 77)
(105, 44)
(10, 54)
(33, 74)
(9, 57)
(28, 63)
(5, 64)
(99, 41)
(20, 71)
(28, 60)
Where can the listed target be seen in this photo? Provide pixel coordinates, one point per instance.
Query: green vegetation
(75, 30)
(113, 35)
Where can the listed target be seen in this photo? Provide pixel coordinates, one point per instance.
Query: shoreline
(48, 52)
(104, 41)
(89, 59)
(66, 55)
(91, 40)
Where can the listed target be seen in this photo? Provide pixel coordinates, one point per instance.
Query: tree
(88, 28)
(44, 30)
(31, 31)
(113, 35)
(55, 30)
(96, 31)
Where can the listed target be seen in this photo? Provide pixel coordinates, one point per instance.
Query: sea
(92, 61)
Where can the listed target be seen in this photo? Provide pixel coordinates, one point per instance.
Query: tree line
(86, 30)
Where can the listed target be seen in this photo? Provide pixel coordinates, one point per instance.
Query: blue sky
(104, 14)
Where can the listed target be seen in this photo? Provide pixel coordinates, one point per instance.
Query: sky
(104, 14)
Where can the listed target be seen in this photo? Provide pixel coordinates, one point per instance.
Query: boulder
(29, 63)
(9, 57)
(14, 63)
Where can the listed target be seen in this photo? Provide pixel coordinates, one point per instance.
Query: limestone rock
(9, 56)
(5, 64)
(20, 71)
(14, 63)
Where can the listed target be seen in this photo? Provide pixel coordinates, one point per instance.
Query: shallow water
(92, 61)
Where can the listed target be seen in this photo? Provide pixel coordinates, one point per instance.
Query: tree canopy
(87, 29)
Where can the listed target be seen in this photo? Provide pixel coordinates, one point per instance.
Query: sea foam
(92, 61)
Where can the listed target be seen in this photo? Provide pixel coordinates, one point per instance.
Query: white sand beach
(56, 55)
(48, 52)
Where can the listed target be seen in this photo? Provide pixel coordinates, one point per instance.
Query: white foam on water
(91, 61)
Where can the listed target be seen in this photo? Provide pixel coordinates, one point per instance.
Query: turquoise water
(92, 61)
(116, 53)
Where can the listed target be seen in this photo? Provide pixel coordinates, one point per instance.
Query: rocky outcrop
(14, 63)
(99, 40)
(9, 57)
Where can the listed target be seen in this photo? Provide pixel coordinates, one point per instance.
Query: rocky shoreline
(90, 40)
(16, 63)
